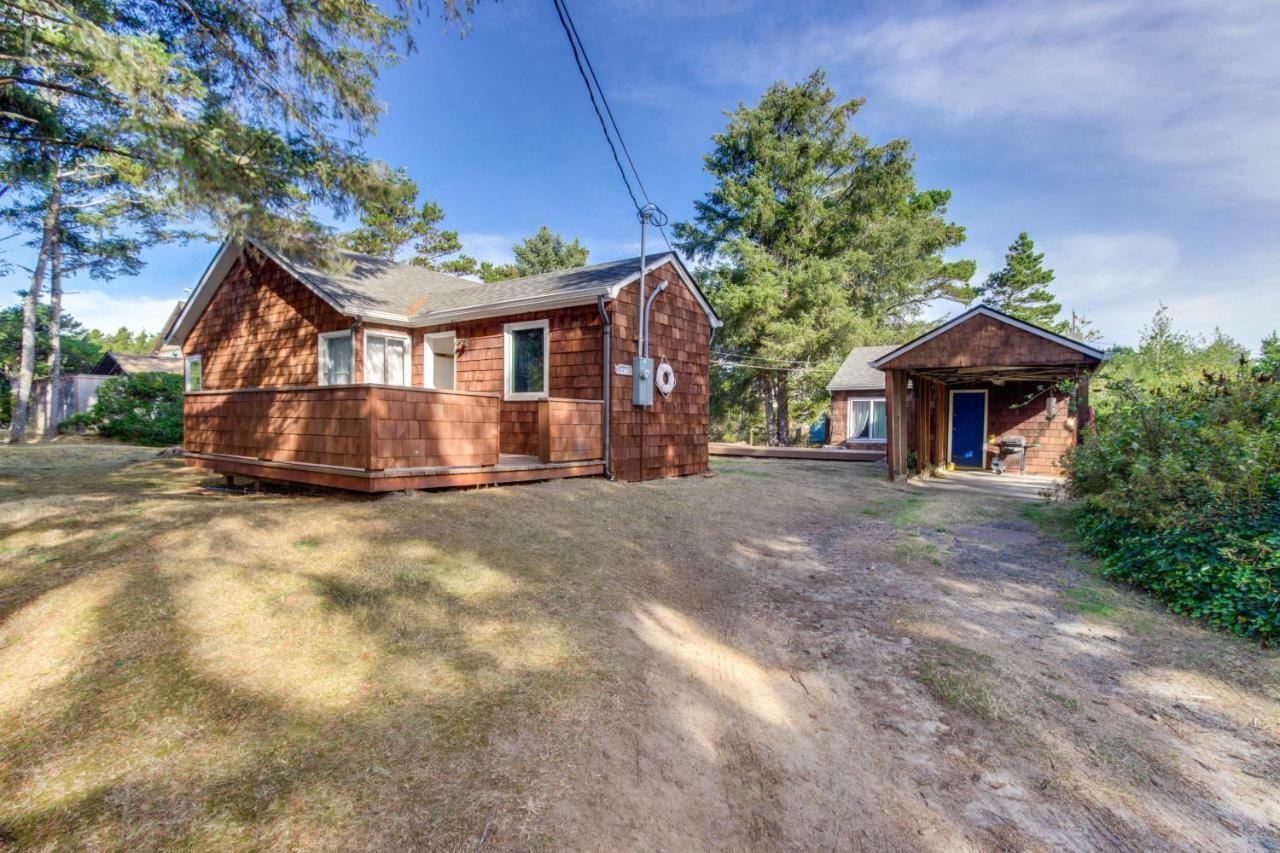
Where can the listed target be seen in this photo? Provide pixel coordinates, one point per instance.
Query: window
(867, 419)
(194, 373)
(438, 360)
(386, 358)
(525, 355)
(335, 359)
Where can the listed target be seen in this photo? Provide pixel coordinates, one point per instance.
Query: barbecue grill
(1011, 444)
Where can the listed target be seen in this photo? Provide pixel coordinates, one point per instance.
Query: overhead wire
(562, 13)
(580, 50)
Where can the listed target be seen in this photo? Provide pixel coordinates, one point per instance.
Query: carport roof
(985, 344)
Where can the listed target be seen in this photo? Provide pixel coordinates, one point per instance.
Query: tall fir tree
(813, 239)
(1020, 289)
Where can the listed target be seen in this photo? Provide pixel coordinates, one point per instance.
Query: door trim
(429, 356)
(951, 409)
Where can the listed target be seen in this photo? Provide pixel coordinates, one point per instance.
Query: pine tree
(1020, 289)
(545, 251)
(811, 237)
(394, 219)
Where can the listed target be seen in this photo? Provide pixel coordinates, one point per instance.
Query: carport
(983, 383)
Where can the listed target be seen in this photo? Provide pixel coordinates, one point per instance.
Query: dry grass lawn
(786, 655)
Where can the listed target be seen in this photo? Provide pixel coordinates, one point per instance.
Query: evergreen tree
(1269, 363)
(813, 238)
(1020, 288)
(394, 219)
(545, 251)
(245, 113)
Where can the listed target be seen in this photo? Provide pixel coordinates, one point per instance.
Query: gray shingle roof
(856, 374)
(363, 284)
(597, 278)
(359, 284)
(129, 364)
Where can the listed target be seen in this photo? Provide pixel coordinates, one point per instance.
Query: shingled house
(371, 375)
(981, 388)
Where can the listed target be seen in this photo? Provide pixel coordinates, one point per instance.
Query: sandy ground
(980, 691)
(786, 655)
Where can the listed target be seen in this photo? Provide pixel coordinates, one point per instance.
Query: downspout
(607, 381)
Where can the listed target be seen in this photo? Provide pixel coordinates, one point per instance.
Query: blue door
(968, 420)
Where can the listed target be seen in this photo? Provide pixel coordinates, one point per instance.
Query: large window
(194, 373)
(867, 419)
(336, 359)
(386, 358)
(438, 360)
(525, 355)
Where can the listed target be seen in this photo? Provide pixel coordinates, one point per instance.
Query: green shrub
(1180, 494)
(145, 408)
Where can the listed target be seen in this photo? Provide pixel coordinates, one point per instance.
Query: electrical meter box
(642, 381)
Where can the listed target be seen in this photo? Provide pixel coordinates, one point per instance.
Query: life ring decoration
(665, 378)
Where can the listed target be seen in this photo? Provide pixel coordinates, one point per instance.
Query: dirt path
(788, 655)
(934, 672)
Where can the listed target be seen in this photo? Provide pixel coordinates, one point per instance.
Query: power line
(562, 13)
(734, 364)
(788, 362)
(580, 55)
(603, 99)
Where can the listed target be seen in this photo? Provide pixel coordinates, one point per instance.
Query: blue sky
(1138, 142)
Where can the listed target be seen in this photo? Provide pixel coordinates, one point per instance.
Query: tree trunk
(770, 434)
(783, 409)
(30, 305)
(54, 397)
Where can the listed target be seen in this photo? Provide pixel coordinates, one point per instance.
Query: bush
(1180, 494)
(145, 408)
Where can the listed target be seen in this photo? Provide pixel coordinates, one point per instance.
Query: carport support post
(895, 398)
(924, 388)
(939, 426)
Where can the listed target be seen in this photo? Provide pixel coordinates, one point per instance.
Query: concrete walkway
(1025, 487)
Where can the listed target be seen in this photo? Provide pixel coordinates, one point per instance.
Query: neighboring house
(80, 390)
(980, 387)
(857, 401)
(377, 375)
(129, 364)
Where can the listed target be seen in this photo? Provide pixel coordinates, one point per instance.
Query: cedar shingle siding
(260, 329)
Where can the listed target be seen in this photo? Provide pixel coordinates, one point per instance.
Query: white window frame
(508, 352)
(345, 333)
(186, 372)
(429, 357)
(408, 353)
(848, 417)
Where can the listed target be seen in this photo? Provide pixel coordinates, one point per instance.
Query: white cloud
(494, 248)
(1184, 84)
(1118, 281)
(97, 309)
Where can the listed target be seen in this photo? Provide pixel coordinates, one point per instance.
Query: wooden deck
(829, 454)
(510, 469)
(378, 438)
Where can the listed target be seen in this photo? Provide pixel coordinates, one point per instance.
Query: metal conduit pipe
(607, 381)
(647, 306)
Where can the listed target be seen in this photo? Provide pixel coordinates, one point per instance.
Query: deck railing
(369, 427)
(570, 430)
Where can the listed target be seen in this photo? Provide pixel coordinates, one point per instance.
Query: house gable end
(983, 337)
